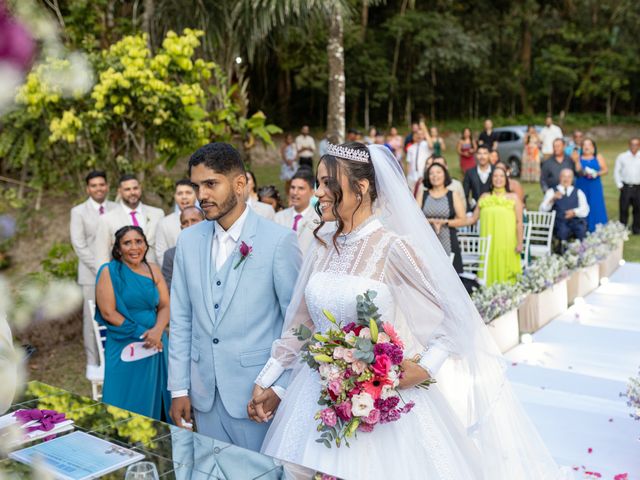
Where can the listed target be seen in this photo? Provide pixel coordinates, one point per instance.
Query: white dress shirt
(627, 169)
(142, 222)
(224, 242)
(307, 143)
(97, 205)
(548, 135)
(583, 206)
(484, 174)
(417, 155)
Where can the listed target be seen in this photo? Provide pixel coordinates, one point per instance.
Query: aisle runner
(570, 377)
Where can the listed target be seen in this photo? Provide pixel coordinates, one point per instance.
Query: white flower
(388, 392)
(329, 372)
(350, 338)
(361, 405)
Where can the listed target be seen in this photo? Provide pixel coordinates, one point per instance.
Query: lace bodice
(339, 276)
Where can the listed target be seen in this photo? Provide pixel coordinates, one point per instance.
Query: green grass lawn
(269, 174)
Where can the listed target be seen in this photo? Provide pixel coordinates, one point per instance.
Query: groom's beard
(229, 204)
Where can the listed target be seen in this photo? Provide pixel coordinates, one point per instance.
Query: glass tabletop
(176, 452)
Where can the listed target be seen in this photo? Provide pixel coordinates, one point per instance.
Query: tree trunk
(525, 61)
(147, 22)
(550, 101)
(366, 109)
(609, 108)
(335, 53)
(433, 95)
(394, 68)
(364, 20)
(567, 103)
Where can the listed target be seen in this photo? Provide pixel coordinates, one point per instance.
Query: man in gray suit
(130, 211)
(233, 278)
(188, 216)
(84, 223)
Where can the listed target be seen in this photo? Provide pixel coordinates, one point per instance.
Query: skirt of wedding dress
(428, 442)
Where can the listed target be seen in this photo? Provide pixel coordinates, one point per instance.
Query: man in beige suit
(130, 211)
(300, 216)
(84, 224)
(169, 227)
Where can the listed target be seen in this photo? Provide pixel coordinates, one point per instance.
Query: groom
(233, 278)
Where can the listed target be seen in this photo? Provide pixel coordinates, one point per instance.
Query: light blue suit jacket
(221, 339)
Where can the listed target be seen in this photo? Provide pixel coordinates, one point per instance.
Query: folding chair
(475, 257)
(100, 333)
(539, 234)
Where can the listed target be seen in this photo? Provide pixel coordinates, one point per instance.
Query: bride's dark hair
(354, 171)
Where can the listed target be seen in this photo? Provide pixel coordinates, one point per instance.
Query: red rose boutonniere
(245, 252)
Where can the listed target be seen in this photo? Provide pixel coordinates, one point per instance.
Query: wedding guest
(409, 140)
(132, 301)
(455, 186)
(306, 147)
(548, 135)
(551, 168)
(301, 216)
(263, 209)
(627, 177)
(169, 226)
(530, 171)
(436, 142)
(323, 144)
(395, 142)
(271, 196)
(488, 138)
(443, 209)
(574, 147)
(188, 216)
(130, 211)
(370, 138)
(500, 215)
(417, 155)
(477, 180)
(466, 149)
(514, 185)
(593, 166)
(570, 205)
(84, 222)
(352, 135)
(289, 156)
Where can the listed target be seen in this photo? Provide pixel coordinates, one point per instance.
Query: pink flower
(358, 366)
(382, 365)
(245, 252)
(328, 417)
(335, 386)
(338, 352)
(373, 417)
(393, 335)
(349, 355)
(383, 338)
(374, 386)
(365, 427)
(344, 411)
(365, 333)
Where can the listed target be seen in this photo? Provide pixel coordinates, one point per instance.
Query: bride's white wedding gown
(429, 442)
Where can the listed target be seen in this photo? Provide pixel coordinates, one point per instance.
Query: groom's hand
(180, 410)
(263, 404)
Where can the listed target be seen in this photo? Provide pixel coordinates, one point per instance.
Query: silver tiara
(348, 153)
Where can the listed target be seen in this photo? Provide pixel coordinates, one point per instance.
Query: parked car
(511, 145)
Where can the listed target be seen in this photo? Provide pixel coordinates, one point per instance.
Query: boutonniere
(245, 252)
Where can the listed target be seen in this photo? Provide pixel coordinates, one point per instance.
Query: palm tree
(235, 30)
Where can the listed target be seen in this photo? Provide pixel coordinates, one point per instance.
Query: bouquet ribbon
(35, 419)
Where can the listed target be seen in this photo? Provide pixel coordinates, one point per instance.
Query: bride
(468, 425)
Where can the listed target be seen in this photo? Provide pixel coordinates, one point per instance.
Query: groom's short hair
(219, 157)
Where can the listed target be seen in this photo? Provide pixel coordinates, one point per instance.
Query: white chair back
(469, 230)
(475, 256)
(539, 234)
(100, 334)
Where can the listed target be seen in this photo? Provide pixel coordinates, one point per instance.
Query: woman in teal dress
(500, 215)
(133, 303)
(592, 166)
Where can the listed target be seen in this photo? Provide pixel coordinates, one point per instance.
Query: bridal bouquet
(359, 367)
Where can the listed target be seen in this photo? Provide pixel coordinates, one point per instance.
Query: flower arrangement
(633, 396)
(497, 299)
(611, 233)
(596, 245)
(543, 273)
(360, 369)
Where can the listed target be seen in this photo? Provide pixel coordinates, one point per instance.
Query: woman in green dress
(500, 214)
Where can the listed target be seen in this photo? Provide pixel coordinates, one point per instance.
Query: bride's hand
(413, 374)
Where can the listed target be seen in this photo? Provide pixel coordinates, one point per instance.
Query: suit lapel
(233, 275)
(205, 269)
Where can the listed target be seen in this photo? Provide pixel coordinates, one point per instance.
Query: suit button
(216, 450)
(215, 340)
(216, 306)
(218, 283)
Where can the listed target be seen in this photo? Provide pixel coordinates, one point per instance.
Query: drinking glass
(142, 471)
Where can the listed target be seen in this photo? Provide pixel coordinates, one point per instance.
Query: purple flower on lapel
(245, 252)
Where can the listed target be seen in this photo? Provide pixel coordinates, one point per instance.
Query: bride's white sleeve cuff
(433, 358)
(269, 373)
